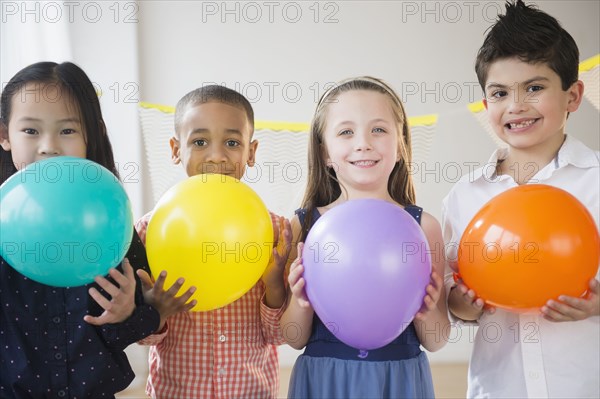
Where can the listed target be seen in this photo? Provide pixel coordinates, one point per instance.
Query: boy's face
(526, 105)
(214, 138)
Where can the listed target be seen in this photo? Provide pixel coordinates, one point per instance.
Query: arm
(274, 299)
(296, 321)
(273, 278)
(463, 303)
(154, 294)
(433, 315)
(126, 318)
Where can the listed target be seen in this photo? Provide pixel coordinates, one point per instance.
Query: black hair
(72, 82)
(533, 37)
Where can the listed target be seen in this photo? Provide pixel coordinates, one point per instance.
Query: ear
(485, 104)
(175, 150)
(252, 153)
(575, 96)
(4, 143)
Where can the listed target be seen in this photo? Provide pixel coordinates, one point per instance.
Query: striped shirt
(226, 353)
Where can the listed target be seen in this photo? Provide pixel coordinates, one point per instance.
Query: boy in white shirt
(528, 70)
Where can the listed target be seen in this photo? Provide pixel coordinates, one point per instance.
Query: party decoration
(527, 245)
(214, 231)
(63, 221)
(366, 266)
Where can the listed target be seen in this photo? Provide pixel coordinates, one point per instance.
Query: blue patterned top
(48, 351)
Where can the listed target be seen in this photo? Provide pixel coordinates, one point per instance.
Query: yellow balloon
(214, 231)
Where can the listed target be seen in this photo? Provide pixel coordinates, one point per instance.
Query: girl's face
(44, 122)
(361, 141)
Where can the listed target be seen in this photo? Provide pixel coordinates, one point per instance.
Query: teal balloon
(63, 221)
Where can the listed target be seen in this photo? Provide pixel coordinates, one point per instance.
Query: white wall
(425, 50)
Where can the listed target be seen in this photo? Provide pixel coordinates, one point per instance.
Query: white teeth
(522, 124)
(364, 163)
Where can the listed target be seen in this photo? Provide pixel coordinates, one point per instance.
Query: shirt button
(222, 338)
(56, 319)
(58, 356)
(61, 393)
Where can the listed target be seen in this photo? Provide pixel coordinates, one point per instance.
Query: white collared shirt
(524, 355)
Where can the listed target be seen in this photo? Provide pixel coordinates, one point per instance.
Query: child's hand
(165, 302)
(273, 275)
(296, 280)
(432, 297)
(569, 308)
(474, 305)
(122, 302)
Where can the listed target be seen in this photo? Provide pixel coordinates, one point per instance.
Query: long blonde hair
(323, 186)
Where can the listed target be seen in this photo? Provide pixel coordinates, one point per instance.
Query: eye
(200, 142)
(68, 131)
(379, 130)
(232, 143)
(498, 94)
(534, 88)
(345, 132)
(30, 131)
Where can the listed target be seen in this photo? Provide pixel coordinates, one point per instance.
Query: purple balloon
(366, 264)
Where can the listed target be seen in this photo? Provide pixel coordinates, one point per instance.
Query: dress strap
(415, 212)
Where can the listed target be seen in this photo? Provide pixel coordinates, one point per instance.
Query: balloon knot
(363, 354)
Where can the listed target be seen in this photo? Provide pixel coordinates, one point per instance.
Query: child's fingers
(128, 269)
(552, 315)
(298, 288)
(432, 292)
(100, 299)
(577, 303)
(175, 287)
(146, 280)
(159, 285)
(562, 311)
(123, 281)
(110, 288)
(187, 295)
(437, 279)
(489, 309)
(594, 287)
(287, 236)
(295, 273)
(92, 320)
(190, 305)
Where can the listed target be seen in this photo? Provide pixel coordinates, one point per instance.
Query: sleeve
(451, 242)
(269, 320)
(157, 338)
(145, 319)
(140, 233)
(451, 247)
(143, 322)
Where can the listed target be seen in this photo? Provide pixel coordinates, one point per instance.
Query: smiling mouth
(521, 125)
(364, 163)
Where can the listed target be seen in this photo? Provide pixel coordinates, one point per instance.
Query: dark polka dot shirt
(48, 351)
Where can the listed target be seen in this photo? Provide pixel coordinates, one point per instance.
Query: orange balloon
(527, 245)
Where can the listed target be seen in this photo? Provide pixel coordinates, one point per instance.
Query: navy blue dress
(48, 351)
(328, 368)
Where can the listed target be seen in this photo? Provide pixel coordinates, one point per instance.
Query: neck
(523, 164)
(353, 194)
